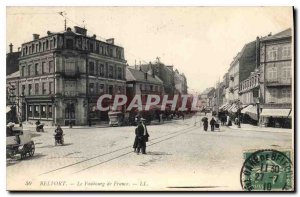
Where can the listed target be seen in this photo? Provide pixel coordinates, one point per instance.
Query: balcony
(69, 74)
(279, 82)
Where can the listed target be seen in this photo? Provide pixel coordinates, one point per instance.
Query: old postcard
(150, 99)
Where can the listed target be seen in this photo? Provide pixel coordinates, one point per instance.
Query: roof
(13, 75)
(137, 75)
(283, 34)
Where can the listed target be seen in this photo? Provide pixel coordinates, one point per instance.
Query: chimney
(11, 48)
(146, 76)
(94, 36)
(35, 36)
(49, 33)
(110, 41)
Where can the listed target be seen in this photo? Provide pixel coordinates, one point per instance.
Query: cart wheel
(31, 150)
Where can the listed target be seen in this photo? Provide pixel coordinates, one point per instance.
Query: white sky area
(200, 42)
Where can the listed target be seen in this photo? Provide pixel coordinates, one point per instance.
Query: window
(44, 46)
(30, 111)
(36, 111)
(44, 67)
(272, 73)
(91, 47)
(273, 95)
(119, 89)
(119, 73)
(69, 43)
(286, 52)
(110, 72)
(23, 90)
(70, 67)
(30, 89)
(286, 72)
(49, 111)
(101, 70)
(50, 87)
(91, 87)
(272, 54)
(51, 66)
(36, 88)
(33, 49)
(97, 47)
(47, 44)
(101, 88)
(36, 69)
(110, 89)
(40, 46)
(44, 88)
(23, 71)
(151, 87)
(286, 95)
(43, 111)
(91, 68)
(141, 87)
(54, 42)
(29, 70)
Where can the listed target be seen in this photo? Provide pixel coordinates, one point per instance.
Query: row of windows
(279, 95)
(276, 74)
(146, 87)
(99, 69)
(278, 53)
(40, 111)
(95, 47)
(34, 89)
(37, 69)
(40, 46)
(96, 88)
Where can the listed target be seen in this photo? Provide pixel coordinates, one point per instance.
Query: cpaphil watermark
(178, 102)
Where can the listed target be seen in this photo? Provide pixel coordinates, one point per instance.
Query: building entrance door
(70, 114)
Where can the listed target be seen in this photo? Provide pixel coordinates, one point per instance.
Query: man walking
(212, 124)
(142, 136)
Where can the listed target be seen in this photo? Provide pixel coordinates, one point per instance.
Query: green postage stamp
(267, 170)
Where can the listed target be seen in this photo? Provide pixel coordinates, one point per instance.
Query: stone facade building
(276, 79)
(63, 74)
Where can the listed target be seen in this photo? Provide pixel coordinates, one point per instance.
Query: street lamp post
(258, 111)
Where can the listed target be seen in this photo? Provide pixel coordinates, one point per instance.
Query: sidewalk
(259, 128)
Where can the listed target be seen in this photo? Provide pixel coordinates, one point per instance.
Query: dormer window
(69, 43)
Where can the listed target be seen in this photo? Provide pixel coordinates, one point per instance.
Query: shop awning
(250, 110)
(225, 106)
(233, 108)
(276, 113)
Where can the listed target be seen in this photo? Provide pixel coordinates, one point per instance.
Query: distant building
(141, 83)
(63, 74)
(276, 79)
(207, 97)
(12, 60)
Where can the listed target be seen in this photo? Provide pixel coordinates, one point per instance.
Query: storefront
(279, 118)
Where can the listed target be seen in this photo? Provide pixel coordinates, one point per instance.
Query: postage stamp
(267, 170)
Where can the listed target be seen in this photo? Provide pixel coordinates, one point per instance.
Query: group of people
(141, 137)
(212, 123)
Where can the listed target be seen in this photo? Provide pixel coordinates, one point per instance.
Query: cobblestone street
(179, 155)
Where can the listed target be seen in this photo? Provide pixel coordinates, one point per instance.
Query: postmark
(267, 170)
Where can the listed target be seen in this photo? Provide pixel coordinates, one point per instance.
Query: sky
(200, 42)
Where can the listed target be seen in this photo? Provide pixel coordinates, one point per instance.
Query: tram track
(150, 143)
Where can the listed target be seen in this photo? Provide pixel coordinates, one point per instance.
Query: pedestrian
(142, 136)
(135, 144)
(205, 124)
(212, 124)
(161, 118)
